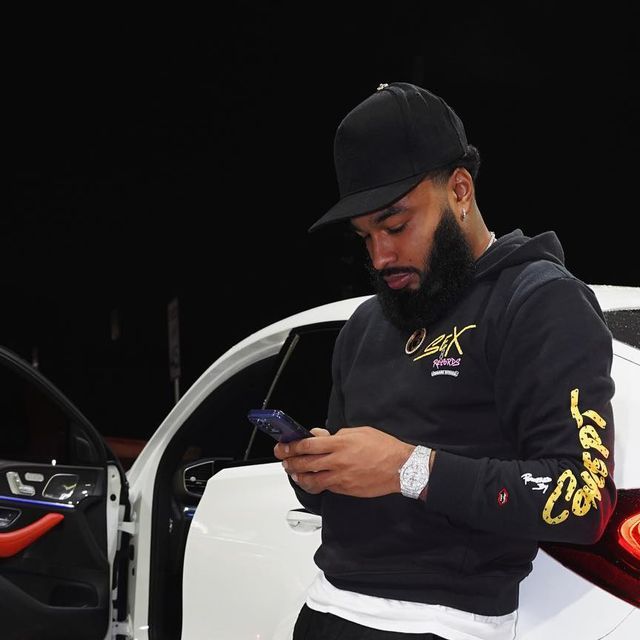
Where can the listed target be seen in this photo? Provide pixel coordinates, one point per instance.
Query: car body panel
(628, 627)
(612, 297)
(552, 598)
(242, 540)
(626, 411)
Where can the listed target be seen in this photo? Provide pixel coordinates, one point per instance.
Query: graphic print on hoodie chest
(445, 353)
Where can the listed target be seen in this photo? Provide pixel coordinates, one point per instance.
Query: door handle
(61, 486)
(303, 521)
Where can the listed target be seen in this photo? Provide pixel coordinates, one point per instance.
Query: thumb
(319, 431)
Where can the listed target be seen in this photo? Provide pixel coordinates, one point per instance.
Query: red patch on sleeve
(503, 497)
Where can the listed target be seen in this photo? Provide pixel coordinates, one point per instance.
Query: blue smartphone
(278, 425)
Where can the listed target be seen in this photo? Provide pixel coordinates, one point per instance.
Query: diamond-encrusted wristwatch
(414, 473)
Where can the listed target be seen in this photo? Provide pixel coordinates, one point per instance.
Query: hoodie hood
(515, 248)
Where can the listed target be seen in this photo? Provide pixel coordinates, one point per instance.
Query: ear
(461, 188)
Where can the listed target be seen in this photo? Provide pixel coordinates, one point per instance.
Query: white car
(203, 538)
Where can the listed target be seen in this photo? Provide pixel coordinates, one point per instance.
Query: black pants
(312, 625)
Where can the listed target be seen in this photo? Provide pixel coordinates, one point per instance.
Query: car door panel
(54, 567)
(249, 530)
(246, 568)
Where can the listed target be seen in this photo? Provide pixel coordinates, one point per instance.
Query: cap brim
(358, 204)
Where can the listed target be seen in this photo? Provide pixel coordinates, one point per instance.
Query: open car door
(60, 496)
(251, 543)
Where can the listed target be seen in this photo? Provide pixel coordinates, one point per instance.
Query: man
(470, 415)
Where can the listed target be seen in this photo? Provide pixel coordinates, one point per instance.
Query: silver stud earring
(464, 214)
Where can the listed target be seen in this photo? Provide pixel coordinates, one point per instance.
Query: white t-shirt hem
(407, 617)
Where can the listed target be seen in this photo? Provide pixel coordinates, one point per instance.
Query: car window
(296, 380)
(34, 428)
(624, 325)
(219, 426)
(303, 387)
(303, 383)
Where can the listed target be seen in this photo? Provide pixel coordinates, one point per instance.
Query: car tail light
(613, 562)
(630, 535)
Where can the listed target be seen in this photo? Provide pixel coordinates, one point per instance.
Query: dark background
(186, 157)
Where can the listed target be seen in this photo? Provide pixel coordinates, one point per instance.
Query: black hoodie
(513, 390)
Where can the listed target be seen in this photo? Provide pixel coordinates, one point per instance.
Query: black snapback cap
(386, 145)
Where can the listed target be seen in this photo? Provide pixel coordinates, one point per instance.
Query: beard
(448, 272)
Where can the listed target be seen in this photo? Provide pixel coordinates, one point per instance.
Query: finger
(306, 446)
(319, 431)
(280, 451)
(283, 450)
(308, 463)
(313, 482)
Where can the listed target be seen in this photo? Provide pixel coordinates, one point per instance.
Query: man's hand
(358, 461)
